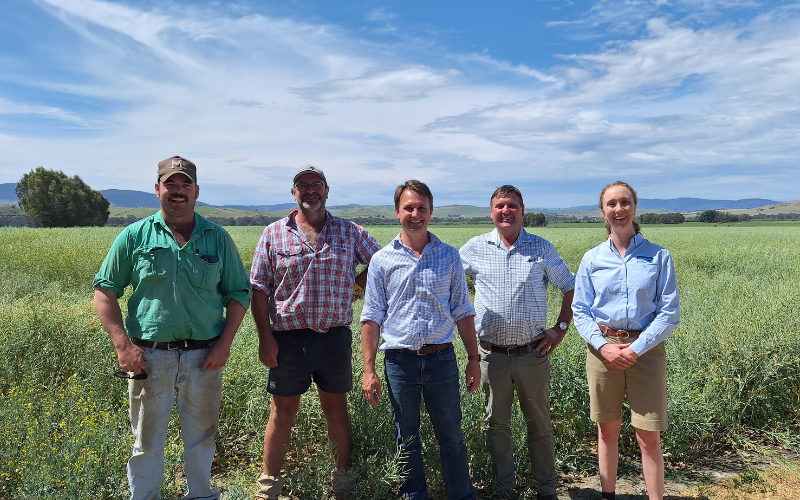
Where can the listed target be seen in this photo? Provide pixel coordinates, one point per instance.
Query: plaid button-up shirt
(310, 287)
(511, 285)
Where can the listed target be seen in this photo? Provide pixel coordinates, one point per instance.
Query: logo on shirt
(648, 260)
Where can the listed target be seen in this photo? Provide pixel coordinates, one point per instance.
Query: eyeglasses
(131, 376)
(303, 187)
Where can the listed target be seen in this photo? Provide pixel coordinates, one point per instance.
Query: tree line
(50, 198)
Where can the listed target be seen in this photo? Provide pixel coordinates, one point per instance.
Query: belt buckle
(177, 346)
(621, 332)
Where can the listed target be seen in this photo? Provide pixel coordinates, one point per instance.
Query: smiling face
(618, 207)
(177, 195)
(312, 199)
(414, 211)
(507, 214)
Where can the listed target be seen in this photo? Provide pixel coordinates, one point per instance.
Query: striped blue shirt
(511, 285)
(635, 292)
(417, 300)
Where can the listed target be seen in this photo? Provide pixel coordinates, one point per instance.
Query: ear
(196, 191)
(158, 188)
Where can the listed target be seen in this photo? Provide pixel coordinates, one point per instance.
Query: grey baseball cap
(309, 169)
(176, 165)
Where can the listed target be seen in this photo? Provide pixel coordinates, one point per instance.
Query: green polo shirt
(178, 292)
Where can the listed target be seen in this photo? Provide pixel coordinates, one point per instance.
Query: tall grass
(64, 432)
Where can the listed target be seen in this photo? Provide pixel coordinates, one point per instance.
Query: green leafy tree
(51, 199)
(532, 219)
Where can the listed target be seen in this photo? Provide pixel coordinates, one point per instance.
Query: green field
(733, 371)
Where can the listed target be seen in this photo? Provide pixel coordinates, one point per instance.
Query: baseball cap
(176, 165)
(309, 169)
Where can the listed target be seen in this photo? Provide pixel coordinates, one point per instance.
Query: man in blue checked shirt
(512, 269)
(416, 290)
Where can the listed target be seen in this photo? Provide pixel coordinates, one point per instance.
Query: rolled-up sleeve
(234, 282)
(558, 274)
(117, 268)
(260, 271)
(375, 299)
(460, 307)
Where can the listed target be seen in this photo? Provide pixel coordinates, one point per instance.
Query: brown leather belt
(426, 349)
(511, 351)
(622, 334)
(175, 345)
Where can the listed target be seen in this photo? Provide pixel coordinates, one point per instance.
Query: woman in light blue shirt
(625, 305)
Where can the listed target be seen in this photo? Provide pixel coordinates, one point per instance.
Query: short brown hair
(505, 191)
(418, 187)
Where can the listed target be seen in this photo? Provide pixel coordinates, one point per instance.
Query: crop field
(733, 372)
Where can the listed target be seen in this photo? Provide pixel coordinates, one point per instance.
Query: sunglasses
(130, 376)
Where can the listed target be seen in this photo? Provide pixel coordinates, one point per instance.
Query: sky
(680, 98)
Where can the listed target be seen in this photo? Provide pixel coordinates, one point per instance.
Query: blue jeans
(151, 400)
(436, 378)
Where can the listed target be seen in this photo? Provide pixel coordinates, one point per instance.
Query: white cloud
(668, 103)
(393, 84)
(14, 108)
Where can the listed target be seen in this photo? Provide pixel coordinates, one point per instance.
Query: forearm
(110, 315)
(259, 306)
(370, 336)
(234, 315)
(466, 329)
(566, 307)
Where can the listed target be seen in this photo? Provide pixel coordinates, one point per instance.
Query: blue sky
(696, 98)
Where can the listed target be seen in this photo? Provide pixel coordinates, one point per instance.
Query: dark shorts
(305, 356)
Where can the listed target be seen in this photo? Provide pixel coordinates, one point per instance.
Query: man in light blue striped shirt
(512, 269)
(416, 289)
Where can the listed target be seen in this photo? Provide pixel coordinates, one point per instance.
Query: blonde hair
(635, 202)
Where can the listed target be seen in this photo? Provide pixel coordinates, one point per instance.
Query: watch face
(563, 325)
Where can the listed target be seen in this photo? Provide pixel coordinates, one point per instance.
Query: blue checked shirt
(635, 292)
(511, 285)
(417, 300)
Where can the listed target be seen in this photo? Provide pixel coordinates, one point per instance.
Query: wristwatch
(563, 326)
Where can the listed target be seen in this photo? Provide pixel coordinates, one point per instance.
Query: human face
(619, 208)
(414, 213)
(177, 195)
(507, 213)
(310, 199)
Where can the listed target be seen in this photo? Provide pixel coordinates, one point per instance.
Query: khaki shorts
(645, 382)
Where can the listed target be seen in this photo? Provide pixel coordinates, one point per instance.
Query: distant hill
(262, 208)
(135, 199)
(7, 194)
(117, 197)
(130, 198)
(695, 204)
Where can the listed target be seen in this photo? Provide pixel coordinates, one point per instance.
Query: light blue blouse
(635, 292)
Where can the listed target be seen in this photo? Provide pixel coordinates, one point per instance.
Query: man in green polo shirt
(184, 271)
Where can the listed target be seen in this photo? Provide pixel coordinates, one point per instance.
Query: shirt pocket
(437, 282)
(203, 274)
(152, 263)
(531, 275)
(643, 276)
(288, 256)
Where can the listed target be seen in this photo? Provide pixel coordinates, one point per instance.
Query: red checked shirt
(308, 287)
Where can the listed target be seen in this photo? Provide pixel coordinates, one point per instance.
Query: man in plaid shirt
(303, 276)
(512, 269)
